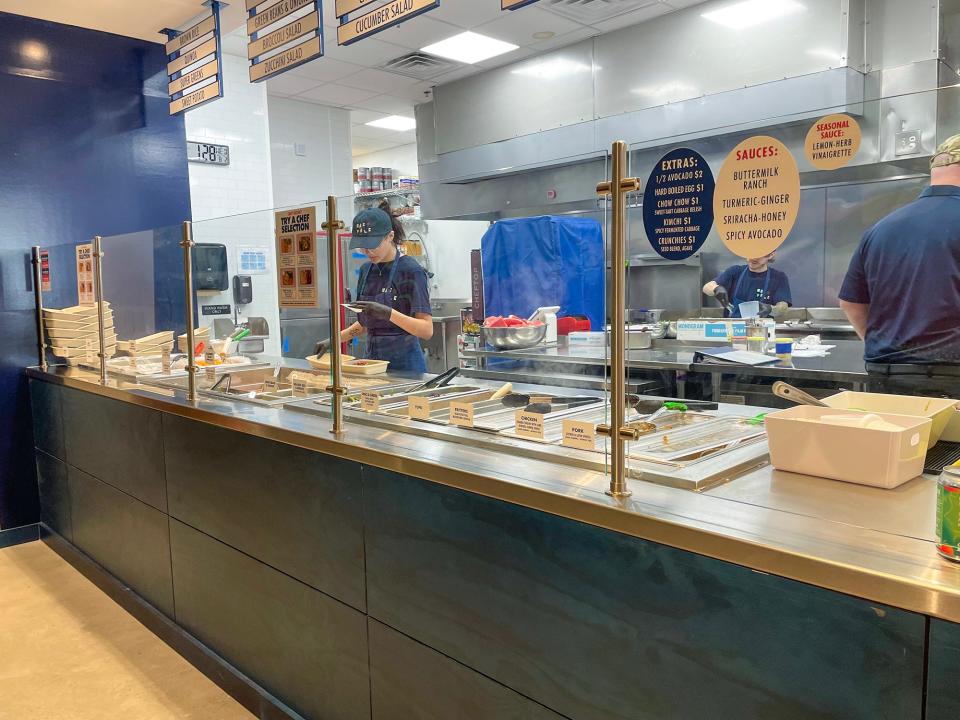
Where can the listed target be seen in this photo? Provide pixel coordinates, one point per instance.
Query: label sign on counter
(383, 17)
(579, 435)
(678, 204)
(757, 199)
(369, 401)
(165, 361)
(528, 425)
(833, 142)
(418, 408)
(461, 414)
(299, 388)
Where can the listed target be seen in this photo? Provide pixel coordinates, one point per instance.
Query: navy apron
(737, 298)
(402, 350)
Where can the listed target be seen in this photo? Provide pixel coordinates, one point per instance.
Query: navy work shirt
(743, 285)
(411, 294)
(907, 268)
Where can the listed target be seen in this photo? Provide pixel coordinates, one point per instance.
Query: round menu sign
(757, 197)
(833, 142)
(678, 204)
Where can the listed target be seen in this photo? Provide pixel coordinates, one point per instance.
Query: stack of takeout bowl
(150, 345)
(73, 332)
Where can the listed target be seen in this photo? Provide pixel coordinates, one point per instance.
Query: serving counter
(382, 574)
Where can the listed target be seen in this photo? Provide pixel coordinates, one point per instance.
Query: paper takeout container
(939, 410)
(801, 442)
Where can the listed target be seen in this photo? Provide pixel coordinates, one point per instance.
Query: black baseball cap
(370, 227)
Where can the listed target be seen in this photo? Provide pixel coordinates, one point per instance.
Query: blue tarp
(542, 261)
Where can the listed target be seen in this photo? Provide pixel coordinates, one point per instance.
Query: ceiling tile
(466, 14)
(359, 117)
(419, 32)
(378, 81)
(336, 95)
(566, 39)
(387, 104)
(633, 17)
(326, 69)
(369, 53)
(519, 26)
(289, 84)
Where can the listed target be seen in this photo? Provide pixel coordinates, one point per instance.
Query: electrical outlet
(300, 149)
(908, 142)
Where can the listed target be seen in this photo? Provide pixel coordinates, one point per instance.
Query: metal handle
(332, 225)
(789, 392)
(38, 302)
(98, 298)
(186, 242)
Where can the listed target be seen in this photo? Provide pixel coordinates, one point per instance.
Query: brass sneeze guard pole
(186, 243)
(38, 302)
(98, 298)
(617, 188)
(332, 225)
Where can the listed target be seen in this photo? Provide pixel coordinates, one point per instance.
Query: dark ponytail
(399, 236)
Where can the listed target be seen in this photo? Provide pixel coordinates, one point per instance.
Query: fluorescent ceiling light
(394, 122)
(749, 13)
(469, 48)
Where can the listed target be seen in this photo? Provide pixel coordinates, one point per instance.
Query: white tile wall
(233, 205)
(403, 158)
(322, 135)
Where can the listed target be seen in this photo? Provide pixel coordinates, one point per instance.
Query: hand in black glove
(721, 295)
(374, 309)
(323, 347)
(766, 310)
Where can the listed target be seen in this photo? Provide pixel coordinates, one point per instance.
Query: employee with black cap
(393, 296)
(902, 289)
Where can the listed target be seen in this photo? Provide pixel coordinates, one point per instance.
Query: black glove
(374, 309)
(766, 310)
(721, 295)
(323, 347)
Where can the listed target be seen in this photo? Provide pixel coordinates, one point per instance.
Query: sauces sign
(757, 198)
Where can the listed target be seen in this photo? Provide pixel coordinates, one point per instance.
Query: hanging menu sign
(757, 197)
(296, 232)
(381, 18)
(342, 7)
(833, 142)
(515, 4)
(273, 50)
(678, 204)
(194, 67)
(85, 274)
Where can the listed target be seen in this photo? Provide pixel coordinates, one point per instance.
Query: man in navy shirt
(902, 290)
(754, 281)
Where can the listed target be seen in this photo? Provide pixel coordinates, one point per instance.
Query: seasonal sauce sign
(833, 142)
(757, 198)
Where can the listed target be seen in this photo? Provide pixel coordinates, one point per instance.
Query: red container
(573, 323)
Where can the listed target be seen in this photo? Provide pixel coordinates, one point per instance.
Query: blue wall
(87, 147)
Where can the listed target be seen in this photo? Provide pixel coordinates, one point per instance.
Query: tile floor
(67, 651)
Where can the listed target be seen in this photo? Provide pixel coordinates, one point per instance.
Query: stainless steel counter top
(843, 364)
(865, 542)
(680, 358)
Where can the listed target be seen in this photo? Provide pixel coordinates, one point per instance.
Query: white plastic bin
(800, 442)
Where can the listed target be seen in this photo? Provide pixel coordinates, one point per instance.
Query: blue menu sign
(678, 204)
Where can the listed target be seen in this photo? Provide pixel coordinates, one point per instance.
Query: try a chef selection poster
(296, 232)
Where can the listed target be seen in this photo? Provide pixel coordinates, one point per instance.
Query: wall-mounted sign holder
(515, 4)
(193, 62)
(275, 48)
(384, 16)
